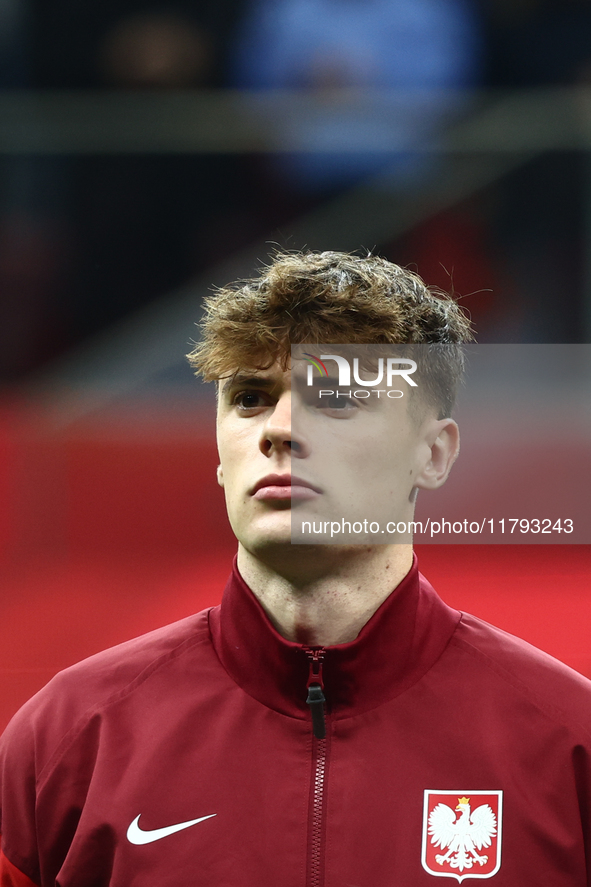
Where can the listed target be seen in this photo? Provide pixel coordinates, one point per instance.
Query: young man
(333, 722)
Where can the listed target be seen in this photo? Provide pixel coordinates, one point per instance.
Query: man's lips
(284, 486)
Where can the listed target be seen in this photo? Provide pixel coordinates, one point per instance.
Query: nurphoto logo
(394, 367)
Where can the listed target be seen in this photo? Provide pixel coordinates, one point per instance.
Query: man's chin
(267, 531)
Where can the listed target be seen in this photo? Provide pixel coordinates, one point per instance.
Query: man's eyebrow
(252, 381)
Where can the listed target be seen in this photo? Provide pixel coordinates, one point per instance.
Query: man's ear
(443, 442)
(220, 475)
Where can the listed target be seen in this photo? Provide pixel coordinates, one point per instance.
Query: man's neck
(329, 600)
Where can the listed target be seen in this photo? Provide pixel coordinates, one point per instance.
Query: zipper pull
(316, 702)
(316, 699)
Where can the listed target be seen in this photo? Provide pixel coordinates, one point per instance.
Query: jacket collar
(399, 644)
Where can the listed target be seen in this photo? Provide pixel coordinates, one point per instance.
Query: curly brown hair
(330, 297)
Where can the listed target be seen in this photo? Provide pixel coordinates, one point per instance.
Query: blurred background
(150, 151)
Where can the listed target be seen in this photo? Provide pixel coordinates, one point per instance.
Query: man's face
(288, 455)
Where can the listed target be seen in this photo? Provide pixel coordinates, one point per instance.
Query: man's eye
(249, 400)
(342, 403)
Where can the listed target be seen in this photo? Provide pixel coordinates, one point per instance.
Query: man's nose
(277, 434)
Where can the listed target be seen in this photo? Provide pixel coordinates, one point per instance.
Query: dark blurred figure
(135, 226)
(73, 40)
(137, 215)
(33, 230)
(13, 43)
(412, 61)
(538, 42)
(405, 53)
(517, 252)
(155, 51)
(542, 221)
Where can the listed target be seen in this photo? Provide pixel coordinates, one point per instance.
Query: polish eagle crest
(465, 841)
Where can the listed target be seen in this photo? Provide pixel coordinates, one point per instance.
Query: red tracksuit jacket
(186, 758)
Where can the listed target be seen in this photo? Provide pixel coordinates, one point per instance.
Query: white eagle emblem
(464, 836)
(462, 842)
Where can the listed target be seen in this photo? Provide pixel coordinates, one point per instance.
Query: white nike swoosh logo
(136, 835)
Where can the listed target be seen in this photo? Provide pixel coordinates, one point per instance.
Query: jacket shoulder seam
(70, 736)
(549, 709)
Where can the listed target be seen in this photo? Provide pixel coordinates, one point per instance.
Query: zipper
(316, 700)
(315, 685)
(316, 868)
